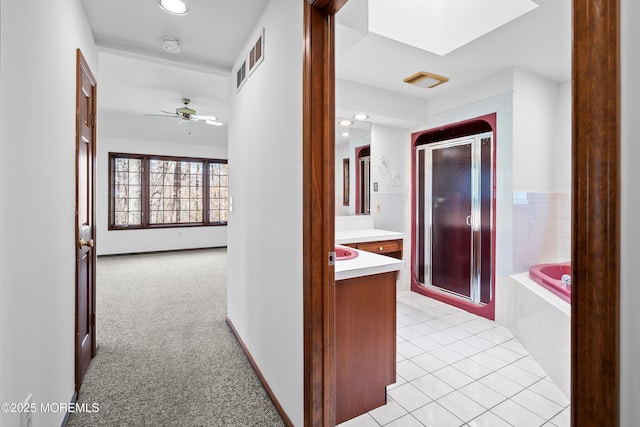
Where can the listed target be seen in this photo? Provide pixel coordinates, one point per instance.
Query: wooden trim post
(595, 312)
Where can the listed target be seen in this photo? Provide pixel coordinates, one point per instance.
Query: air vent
(241, 75)
(426, 80)
(254, 57)
(256, 54)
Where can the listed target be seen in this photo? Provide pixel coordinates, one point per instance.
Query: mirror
(352, 166)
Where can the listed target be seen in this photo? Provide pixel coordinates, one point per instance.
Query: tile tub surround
(458, 369)
(541, 229)
(541, 321)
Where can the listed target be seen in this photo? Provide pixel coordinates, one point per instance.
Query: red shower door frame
(484, 310)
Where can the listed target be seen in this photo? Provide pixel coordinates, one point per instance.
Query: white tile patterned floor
(457, 369)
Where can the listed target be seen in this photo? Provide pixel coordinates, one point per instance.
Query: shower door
(454, 216)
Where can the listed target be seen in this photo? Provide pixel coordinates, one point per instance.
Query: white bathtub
(542, 323)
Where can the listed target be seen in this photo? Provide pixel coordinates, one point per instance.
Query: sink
(344, 253)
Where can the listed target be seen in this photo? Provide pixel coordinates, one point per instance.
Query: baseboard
(161, 251)
(264, 382)
(74, 399)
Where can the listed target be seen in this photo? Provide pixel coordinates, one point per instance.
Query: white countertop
(366, 235)
(366, 264)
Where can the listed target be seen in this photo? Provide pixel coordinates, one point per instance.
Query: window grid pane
(128, 195)
(151, 190)
(218, 192)
(175, 195)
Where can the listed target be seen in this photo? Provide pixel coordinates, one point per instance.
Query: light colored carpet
(166, 356)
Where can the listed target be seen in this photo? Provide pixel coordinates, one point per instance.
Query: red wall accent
(450, 131)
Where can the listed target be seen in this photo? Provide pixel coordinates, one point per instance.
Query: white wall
(37, 183)
(536, 145)
(132, 241)
(391, 204)
(383, 106)
(475, 92)
(630, 204)
(561, 158)
(265, 227)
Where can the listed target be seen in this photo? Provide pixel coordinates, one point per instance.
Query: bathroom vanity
(374, 240)
(365, 332)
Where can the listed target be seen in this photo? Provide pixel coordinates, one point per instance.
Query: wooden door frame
(83, 67)
(595, 397)
(595, 308)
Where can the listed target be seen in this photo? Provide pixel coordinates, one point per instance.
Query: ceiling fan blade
(199, 117)
(162, 115)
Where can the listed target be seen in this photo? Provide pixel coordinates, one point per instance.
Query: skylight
(441, 26)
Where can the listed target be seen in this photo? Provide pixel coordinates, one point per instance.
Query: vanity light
(175, 7)
(361, 116)
(345, 122)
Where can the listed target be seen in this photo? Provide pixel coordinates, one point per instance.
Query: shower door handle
(470, 220)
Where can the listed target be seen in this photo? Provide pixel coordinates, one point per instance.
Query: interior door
(85, 219)
(451, 215)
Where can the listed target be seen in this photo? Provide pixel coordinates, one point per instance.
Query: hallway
(166, 356)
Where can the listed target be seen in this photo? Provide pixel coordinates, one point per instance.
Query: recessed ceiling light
(175, 7)
(361, 116)
(345, 122)
(345, 133)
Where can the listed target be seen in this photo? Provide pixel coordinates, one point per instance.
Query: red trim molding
(447, 132)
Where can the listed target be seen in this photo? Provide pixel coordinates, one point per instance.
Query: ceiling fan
(186, 114)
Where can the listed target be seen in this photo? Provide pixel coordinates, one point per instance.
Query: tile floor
(457, 369)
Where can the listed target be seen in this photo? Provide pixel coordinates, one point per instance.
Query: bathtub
(541, 321)
(549, 277)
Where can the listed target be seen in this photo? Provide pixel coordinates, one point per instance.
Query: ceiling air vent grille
(426, 80)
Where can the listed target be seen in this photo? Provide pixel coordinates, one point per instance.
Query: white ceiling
(137, 77)
(539, 41)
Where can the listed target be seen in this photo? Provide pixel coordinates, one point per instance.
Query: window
(158, 191)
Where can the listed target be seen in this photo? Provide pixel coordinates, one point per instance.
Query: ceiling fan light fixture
(174, 7)
(171, 45)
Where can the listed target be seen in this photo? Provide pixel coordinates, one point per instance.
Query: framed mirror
(351, 188)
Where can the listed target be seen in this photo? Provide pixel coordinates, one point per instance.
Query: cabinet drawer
(391, 248)
(382, 246)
